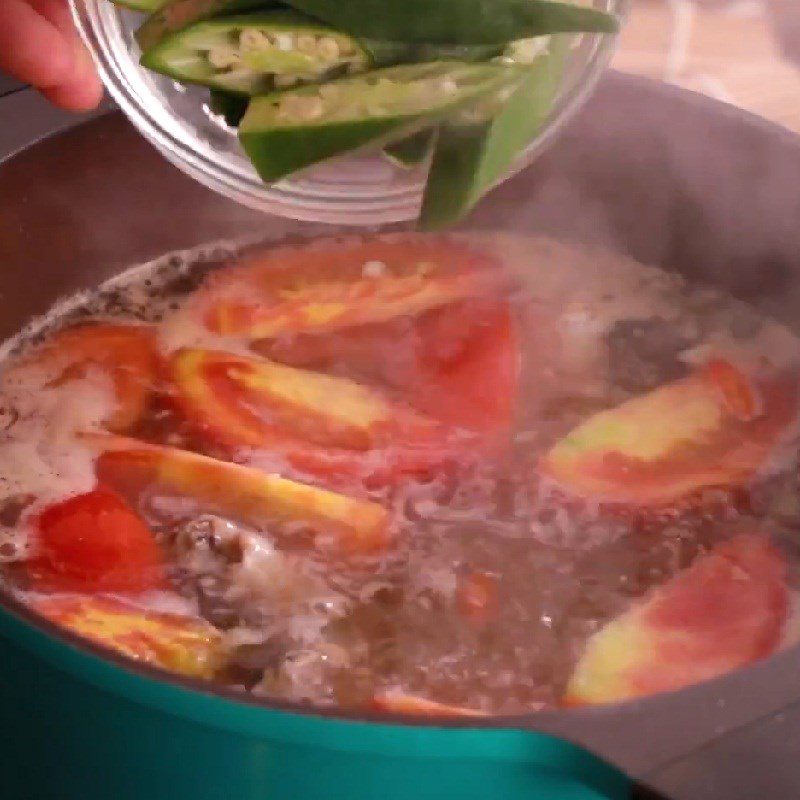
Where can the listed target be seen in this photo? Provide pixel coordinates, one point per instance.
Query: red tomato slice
(181, 644)
(321, 423)
(126, 352)
(333, 284)
(460, 364)
(250, 495)
(714, 428)
(727, 610)
(95, 542)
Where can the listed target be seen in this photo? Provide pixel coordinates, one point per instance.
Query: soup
(465, 474)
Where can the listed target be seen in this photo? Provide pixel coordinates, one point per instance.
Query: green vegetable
(256, 53)
(145, 6)
(476, 148)
(411, 151)
(461, 22)
(291, 130)
(386, 53)
(231, 106)
(178, 14)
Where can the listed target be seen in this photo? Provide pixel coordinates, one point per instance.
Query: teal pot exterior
(84, 727)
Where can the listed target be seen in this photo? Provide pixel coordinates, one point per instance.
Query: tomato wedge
(126, 352)
(333, 284)
(322, 423)
(95, 542)
(459, 364)
(718, 427)
(181, 644)
(411, 705)
(726, 610)
(244, 493)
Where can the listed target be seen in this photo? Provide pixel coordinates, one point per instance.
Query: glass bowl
(363, 189)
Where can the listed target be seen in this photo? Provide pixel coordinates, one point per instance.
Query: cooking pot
(656, 173)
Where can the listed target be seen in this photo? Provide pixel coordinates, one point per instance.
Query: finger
(32, 49)
(83, 90)
(56, 12)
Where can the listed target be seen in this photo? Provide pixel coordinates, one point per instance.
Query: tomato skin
(95, 542)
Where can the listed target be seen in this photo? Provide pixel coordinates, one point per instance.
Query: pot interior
(633, 174)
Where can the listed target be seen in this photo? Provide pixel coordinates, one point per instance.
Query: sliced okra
(412, 150)
(256, 53)
(288, 131)
(461, 22)
(476, 148)
(174, 15)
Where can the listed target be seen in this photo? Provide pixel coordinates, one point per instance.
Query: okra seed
(223, 58)
(307, 44)
(328, 48)
(284, 42)
(251, 39)
(449, 86)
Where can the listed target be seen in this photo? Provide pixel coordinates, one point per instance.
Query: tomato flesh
(323, 424)
(726, 610)
(714, 428)
(336, 284)
(127, 353)
(243, 493)
(185, 645)
(96, 542)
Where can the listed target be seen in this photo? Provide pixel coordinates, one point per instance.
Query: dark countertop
(27, 116)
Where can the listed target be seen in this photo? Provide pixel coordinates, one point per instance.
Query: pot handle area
(650, 739)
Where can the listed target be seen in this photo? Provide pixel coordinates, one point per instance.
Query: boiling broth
(452, 390)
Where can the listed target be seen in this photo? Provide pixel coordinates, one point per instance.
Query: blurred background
(746, 52)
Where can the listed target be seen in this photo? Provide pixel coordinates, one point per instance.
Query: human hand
(40, 46)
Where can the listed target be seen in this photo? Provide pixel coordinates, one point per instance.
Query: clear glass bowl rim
(299, 199)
